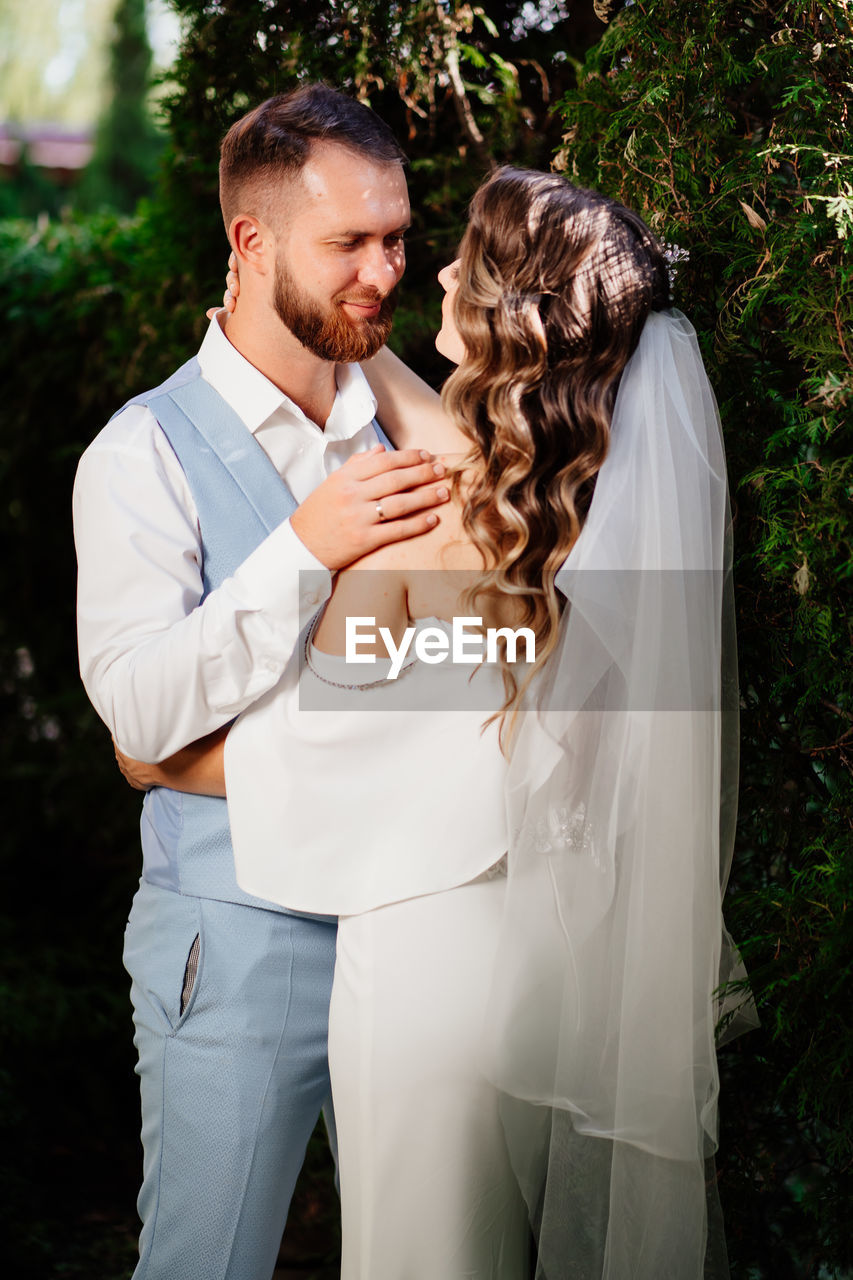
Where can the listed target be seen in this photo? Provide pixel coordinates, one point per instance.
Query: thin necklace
(339, 684)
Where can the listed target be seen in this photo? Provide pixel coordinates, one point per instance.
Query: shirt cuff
(283, 581)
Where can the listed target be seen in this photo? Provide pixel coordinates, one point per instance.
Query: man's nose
(382, 266)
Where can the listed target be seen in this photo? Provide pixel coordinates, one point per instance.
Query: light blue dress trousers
(233, 1085)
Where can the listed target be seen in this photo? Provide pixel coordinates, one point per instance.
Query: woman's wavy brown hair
(555, 285)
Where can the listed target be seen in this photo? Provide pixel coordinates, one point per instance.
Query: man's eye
(396, 239)
(347, 244)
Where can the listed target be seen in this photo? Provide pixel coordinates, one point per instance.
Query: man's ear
(253, 242)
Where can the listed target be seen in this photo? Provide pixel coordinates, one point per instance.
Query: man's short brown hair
(274, 141)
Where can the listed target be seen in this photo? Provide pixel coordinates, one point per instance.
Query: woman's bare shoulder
(409, 409)
(446, 545)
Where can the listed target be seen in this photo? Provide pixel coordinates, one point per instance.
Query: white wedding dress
(385, 804)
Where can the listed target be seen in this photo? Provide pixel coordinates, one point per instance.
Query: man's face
(341, 253)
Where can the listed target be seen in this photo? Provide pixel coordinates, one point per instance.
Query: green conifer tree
(127, 144)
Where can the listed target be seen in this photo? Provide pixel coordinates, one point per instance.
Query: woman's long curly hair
(555, 285)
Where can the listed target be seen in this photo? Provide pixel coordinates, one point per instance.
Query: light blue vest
(240, 499)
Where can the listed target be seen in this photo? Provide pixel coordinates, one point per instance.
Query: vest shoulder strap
(195, 407)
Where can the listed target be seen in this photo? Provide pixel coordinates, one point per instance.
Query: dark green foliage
(127, 144)
(69, 855)
(728, 127)
(27, 192)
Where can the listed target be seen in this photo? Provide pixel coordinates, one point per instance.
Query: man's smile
(362, 310)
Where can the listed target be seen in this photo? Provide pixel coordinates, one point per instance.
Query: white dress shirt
(161, 668)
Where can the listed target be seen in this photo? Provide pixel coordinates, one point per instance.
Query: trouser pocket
(190, 972)
(163, 953)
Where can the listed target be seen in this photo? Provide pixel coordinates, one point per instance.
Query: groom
(195, 510)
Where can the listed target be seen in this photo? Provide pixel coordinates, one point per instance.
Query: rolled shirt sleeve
(161, 667)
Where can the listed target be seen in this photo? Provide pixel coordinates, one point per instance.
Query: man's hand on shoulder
(375, 498)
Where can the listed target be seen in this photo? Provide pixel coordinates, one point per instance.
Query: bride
(526, 855)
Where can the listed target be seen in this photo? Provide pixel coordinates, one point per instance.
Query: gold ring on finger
(380, 512)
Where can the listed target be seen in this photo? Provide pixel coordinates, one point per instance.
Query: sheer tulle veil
(621, 804)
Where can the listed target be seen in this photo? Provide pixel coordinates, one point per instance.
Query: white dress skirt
(392, 817)
(427, 1189)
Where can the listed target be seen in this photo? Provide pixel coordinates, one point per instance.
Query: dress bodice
(348, 791)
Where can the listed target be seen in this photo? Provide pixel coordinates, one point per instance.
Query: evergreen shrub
(69, 854)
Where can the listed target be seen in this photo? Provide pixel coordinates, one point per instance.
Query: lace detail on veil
(558, 829)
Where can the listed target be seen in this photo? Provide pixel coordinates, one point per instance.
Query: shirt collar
(355, 403)
(255, 399)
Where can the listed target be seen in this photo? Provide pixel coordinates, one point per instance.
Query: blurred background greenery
(728, 127)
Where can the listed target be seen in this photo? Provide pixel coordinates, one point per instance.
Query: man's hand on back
(373, 499)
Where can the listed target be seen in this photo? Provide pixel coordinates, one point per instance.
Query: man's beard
(330, 334)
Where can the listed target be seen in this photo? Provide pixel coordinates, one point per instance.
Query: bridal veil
(621, 807)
